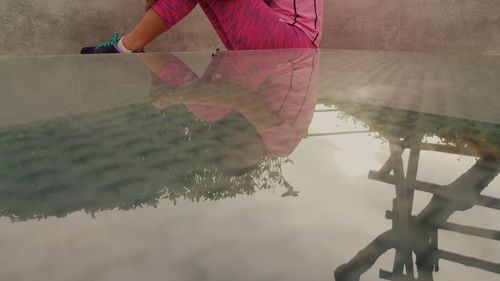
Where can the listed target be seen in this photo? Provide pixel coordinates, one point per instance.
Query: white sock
(122, 48)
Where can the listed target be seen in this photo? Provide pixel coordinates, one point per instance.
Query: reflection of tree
(464, 135)
(215, 185)
(419, 234)
(126, 158)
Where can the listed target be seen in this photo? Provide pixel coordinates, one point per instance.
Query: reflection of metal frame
(402, 205)
(418, 234)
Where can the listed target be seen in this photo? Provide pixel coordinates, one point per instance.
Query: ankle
(131, 44)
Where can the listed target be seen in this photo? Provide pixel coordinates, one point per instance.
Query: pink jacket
(307, 15)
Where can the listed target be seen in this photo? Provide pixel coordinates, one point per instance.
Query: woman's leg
(240, 24)
(163, 15)
(150, 27)
(251, 24)
(245, 24)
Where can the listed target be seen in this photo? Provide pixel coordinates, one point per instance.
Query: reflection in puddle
(253, 121)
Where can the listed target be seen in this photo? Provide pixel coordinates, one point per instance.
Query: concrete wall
(43, 27)
(414, 25)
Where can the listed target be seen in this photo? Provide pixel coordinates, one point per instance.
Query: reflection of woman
(240, 24)
(275, 91)
(133, 156)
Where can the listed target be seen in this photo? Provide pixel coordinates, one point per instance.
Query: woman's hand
(149, 3)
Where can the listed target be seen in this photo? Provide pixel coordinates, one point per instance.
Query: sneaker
(109, 47)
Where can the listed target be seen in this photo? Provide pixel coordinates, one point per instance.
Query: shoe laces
(112, 42)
